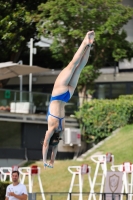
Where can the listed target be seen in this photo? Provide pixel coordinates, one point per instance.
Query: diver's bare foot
(49, 165)
(89, 38)
(45, 165)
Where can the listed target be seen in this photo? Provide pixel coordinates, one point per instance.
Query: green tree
(87, 77)
(17, 25)
(68, 21)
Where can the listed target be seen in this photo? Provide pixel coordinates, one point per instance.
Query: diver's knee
(45, 144)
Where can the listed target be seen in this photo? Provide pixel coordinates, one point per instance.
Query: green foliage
(126, 97)
(65, 22)
(17, 26)
(98, 118)
(68, 21)
(87, 76)
(3, 186)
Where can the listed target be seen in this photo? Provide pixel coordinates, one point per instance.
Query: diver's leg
(74, 80)
(66, 74)
(45, 146)
(53, 155)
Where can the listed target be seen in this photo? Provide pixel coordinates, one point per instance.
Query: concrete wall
(10, 162)
(120, 77)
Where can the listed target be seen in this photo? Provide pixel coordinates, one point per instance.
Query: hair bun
(55, 139)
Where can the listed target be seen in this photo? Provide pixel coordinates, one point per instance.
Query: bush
(124, 97)
(3, 186)
(98, 118)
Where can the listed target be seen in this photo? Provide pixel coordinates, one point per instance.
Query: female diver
(63, 90)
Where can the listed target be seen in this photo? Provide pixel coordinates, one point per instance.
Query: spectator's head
(15, 176)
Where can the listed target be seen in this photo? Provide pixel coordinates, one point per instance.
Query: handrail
(40, 101)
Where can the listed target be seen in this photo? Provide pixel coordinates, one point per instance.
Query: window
(103, 91)
(118, 89)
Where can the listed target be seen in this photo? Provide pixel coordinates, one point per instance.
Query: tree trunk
(82, 96)
(89, 97)
(15, 56)
(3, 83)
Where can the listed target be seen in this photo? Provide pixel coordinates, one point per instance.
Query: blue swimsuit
(62, 97)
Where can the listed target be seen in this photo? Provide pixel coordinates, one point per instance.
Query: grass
(120, 145)
(59, 178)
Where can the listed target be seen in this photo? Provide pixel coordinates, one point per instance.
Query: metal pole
(31, 196)
(51, 197)
(70, 196)
(127, 196)
(104, 196)
(15, 97)
(113, 196)
(21, 86)
(20, 82)
(30, 75)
